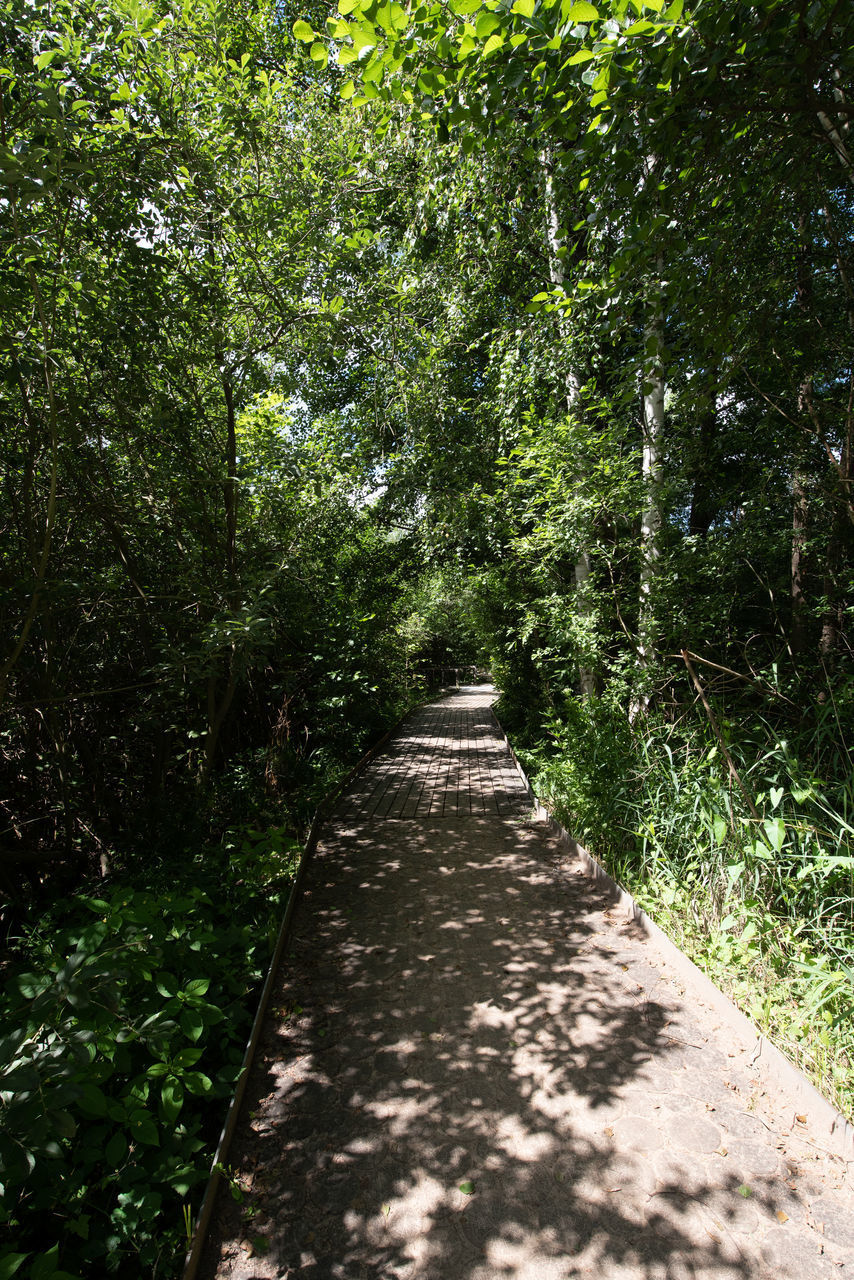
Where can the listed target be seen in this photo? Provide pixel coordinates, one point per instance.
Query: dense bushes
(125, 1017)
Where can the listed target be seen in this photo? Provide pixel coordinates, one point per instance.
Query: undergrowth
(757, 889)
(125, 1015)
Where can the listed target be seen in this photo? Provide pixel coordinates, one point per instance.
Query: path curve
(474, 1069)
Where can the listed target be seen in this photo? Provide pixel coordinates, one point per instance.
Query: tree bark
(799, 526)
(653, 435)
(557, 274)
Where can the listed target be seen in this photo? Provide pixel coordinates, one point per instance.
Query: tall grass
(758, 890)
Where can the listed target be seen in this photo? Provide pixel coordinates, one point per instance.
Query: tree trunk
(653, 434)
(799, 526)
(703, 509)
(557, 274)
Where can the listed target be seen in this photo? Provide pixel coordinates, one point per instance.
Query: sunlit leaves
(579, 11)
(486, 24)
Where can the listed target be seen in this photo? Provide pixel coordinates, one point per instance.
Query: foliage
(329, 348)
(763, 900)
(124, 1020)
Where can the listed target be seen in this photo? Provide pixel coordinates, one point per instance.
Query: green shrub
(124, 1033)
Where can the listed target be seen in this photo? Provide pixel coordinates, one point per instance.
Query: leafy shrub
(124, 1032)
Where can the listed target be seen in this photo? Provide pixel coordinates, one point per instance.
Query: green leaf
(116, 1150)
(319, 54)
(462, 8)
(719, 828)
(191, 1020)
(29, 985)
(171, 1099)
(198, 1083)
(166, 984)
(581, 12)
(92, 1100)
(525, 8)
(188, 1057)
(198, 987)
(303, 31)
(493, 43)
(10, 1263)
(45, 1265)
(467, 1188)
(486, 24)
(775, 830)
(143, 1128)
(63, 1124)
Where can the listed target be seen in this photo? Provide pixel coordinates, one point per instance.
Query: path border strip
(774, 1068)
(321, 816)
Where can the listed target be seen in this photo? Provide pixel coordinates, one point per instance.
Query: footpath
(475, 1069)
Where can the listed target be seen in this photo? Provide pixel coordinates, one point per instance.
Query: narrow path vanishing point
(475, 1069)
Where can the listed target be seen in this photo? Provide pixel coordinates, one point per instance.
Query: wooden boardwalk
(449, 760)
(474, 1068)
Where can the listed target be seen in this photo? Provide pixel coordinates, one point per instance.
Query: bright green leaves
(392, 18)
(46, 58)
(579, 11)
(318, 52)
(525, 8)
(486, 24)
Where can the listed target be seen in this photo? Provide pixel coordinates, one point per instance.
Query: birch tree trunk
(557, 274)
(653, 434)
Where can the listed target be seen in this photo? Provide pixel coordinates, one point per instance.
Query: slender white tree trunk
(653, 434)
(557, 275)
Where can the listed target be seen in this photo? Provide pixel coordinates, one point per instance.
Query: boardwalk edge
(770, 1063)
(324, 809)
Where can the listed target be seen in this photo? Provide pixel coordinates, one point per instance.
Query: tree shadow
(470, 1074)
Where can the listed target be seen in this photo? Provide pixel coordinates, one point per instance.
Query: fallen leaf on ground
(467, 1188)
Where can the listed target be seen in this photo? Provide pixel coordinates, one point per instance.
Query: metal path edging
(202, 1224)
(773, 1066)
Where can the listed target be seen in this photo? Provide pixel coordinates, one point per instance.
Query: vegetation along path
(478, 1069)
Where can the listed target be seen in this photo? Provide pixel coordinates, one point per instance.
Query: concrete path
(476, 1070)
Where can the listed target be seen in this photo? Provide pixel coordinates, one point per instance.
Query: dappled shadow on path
(457, 1010)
